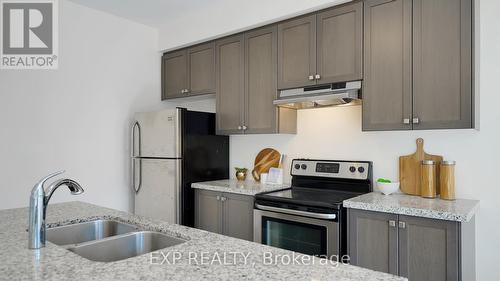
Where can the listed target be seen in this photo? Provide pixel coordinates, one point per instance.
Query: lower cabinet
(420, 249)
(208, 211)
(373, 240)
(224, 213)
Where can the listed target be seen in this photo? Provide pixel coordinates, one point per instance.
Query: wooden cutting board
(266, 159)
(410, 169)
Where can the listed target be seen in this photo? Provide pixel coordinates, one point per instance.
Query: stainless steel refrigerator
(170, 150)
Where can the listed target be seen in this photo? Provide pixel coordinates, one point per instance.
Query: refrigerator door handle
(140, 175)
(132, 150)
(178, 166)
(178, 133)
(177, 192)
(133, 155)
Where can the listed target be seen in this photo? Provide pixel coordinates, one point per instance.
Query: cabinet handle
(182, 91)
(311, 77)
(415, 120)
(186, 91)
(402, 224)
(218, 198)
(240, 128)
(392, 223)
(223, 198)
(406, 121)
(317, 76)
(244, 127)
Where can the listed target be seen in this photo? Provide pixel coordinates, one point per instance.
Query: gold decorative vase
(241, 173)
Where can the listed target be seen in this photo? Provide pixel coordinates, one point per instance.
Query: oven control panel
(331, 169)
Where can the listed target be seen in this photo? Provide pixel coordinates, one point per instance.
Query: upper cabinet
(321, 48)
(261, 115)
(189, 72)
(418, 64)
(415, 58)
(260, 80)
(247, 85)
(297, 52)
(174, 74)
(442, 64)
(339, 39)
(387, 93)
(230, 93)
(201, 69)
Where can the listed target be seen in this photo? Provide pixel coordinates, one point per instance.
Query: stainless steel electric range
(309, 217)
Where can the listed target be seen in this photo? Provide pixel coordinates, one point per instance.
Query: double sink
(109, 240)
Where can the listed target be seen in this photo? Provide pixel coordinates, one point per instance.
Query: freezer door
(157, 134)
(157, 188)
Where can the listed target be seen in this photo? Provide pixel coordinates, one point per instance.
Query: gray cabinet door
(208, 211)
(387, 92)
(174, 74)
(229, 54)
(373, 240)
(261, 80)
(297, 52)
(238, 216)
(340, 44)
(442, 49)
(201, 65)
(428, 249)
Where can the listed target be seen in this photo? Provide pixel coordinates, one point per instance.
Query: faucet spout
(72, 185)
(38, 204)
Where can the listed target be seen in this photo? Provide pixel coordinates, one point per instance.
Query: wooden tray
(410, 169)
(265, 159)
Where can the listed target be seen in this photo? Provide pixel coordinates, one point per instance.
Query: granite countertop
(17, 262)
(240, 187)
(460, 210)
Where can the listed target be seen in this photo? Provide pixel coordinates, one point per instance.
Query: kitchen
(96, 116)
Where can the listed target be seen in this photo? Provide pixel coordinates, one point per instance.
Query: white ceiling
(154, 13)
(158, 13)
(185, 22)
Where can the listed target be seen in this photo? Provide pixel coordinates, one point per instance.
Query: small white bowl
(388, 187)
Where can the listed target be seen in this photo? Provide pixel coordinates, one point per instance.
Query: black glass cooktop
(308, 196)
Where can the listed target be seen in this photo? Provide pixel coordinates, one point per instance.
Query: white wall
(77, 117)
(335, 133)
(214, 19)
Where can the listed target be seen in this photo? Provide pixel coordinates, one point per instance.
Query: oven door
(301, 234)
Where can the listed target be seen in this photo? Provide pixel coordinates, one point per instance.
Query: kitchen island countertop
(17, 262)
(247, 187)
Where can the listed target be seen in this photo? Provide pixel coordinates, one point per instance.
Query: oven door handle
(296, 212)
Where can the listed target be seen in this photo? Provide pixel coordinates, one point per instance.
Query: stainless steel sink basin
(125, 246)
(87, 231)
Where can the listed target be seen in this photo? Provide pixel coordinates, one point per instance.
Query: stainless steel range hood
(345, 93)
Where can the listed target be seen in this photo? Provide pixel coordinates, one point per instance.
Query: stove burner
(309, 196)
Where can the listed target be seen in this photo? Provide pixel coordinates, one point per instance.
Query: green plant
(240, 170)
(382, 180)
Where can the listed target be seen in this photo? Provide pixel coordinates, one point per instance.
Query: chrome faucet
(38, 205)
